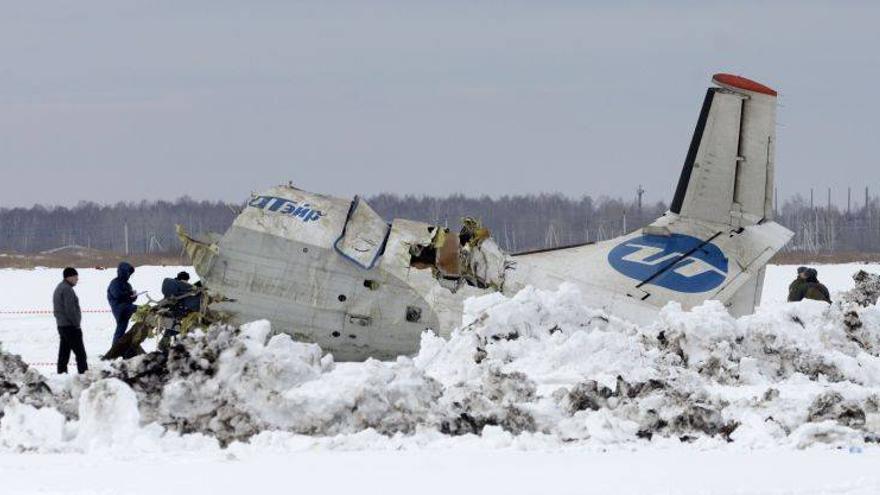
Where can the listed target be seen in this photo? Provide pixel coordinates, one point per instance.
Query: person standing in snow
(811, 288)
(121, 297)
(797, 288)
(68, 318)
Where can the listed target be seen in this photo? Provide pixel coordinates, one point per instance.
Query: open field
(426, 462)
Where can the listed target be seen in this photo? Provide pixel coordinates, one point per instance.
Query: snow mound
(20, 383)
(538, 366)
(866, 291)
(26, 428)
(232, 383)
(108, 415)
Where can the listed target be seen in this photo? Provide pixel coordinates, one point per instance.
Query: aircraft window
(342, 298)
(413, 314)
(422, 257)
(360, 320)
(371, 284)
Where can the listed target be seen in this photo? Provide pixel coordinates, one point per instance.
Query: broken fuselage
(331, 271)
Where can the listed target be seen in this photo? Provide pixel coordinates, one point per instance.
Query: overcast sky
(120, 100)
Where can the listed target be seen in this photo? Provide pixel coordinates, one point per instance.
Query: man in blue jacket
(121, 297)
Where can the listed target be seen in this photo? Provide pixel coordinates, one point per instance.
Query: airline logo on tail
(678, 262)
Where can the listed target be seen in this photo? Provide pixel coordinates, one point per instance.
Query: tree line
(518, 223)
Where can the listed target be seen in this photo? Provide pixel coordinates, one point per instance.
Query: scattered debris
(25, 385)
(166, 319)
(497, 401)
(866, 291)
(471, 257)
(832, 406)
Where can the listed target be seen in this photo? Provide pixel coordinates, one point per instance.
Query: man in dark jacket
(180, 290)
(68, 318)
(811, 288)
(184, 299)
(121, 297)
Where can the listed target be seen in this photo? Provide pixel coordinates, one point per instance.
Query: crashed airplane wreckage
(332, 271)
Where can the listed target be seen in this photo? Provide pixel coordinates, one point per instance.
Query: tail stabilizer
(727, 176)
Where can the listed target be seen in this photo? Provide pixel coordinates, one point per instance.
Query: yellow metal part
(190, 321)
(473, 226)
(202, 254)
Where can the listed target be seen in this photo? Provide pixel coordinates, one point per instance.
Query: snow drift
(537, 365)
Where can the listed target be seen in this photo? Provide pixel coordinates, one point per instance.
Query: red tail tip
(740, 82)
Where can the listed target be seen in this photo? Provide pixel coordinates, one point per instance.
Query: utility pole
(848, 200)
(811, 198)
(126, 238)
(829, 229)
(639, 192)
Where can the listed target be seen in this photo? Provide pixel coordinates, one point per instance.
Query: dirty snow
(536, 376)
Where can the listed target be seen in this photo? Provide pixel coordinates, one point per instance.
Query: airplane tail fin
(719, 233)
(725, 193)
(727, 176)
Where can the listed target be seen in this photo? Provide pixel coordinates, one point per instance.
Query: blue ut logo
(685, 267)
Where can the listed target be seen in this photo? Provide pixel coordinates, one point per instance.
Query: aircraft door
(363, 236)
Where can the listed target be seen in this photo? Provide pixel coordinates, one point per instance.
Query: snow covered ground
(376, 427)
(461, 470)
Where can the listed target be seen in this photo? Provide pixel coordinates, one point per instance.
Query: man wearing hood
(811, 288)
(121, 297)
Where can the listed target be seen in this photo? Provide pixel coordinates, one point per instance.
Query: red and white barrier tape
(48, 311)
